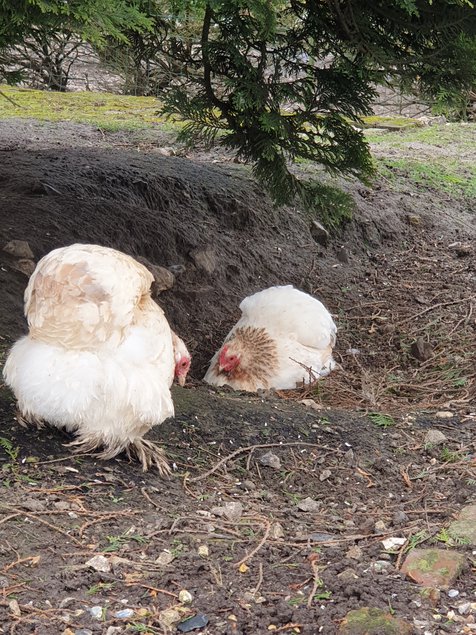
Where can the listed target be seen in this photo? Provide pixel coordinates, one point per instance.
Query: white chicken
(100, 357)
(283, 338)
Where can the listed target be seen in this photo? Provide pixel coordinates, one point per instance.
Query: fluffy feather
(283, 338)
(99, 357)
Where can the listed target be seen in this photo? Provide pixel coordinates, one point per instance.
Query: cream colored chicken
(100, 357)
(284, 337)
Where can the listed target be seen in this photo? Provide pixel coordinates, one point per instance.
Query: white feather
(303, 332)
(99, 358)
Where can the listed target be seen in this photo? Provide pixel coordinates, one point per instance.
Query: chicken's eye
(184, 364)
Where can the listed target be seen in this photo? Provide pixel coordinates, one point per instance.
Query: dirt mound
(223, 239)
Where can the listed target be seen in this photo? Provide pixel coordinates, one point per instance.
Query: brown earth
(403, 269)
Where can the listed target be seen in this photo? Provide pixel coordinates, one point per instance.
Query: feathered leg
(26, 420)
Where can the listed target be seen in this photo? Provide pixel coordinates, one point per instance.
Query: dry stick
(32, 516)
(260, 579)
(287, 627)
(315, 574)
(259, 545)
(430, 308)
(153, 588)
(256, 447)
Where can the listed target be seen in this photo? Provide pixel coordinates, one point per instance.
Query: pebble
(276, 532)
(203, 551)
(308, 505)
(444, 414)
(83, 631)
(96, 612)
(434, 437)
(453, 593)
(399, 517)
(270, 460)
(464, 608)
(232, 511)
(185, 597)
(164, 558)
(355, 553)
(124, 614)
(169, 618)
(325, 474)
(99, 563)
(380, 527)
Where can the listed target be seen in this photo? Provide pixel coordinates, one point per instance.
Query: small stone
(203, 551)
(381, 565)
(205, 259)
(4, 583)
(270, 460)
(399, 517)
(372, 621)
(164, 279)
(380, 527)
(319, 233)
(348, 575)
(14, 608)
(421, 350)
(464, 527)
(349, 457)
(434, 437)
(232, 510)
(465, 608)
(169, 618)
(444, 414)
(99, 563)
(114, 630)
(166, 151)
(96, 612)
(164, 558)
(453, 593)
(198, 621)
(19, 249)
(276, 532)
(83, 631)
(309, 505)
(354, 552)
(68, 631)
(324, 475)
(433, 567)
(393, 542)
(247, 484)
(124, 614)
(185, 597)
(310, 403)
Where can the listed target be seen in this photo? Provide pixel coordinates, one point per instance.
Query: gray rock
(270, 460)
(434, 437)
(399, 517)
(124, 614)
(96, 612)
(348, 575)
(421, 350)
(19, 249)
(324, 475)
(99, 563)
(309, 505)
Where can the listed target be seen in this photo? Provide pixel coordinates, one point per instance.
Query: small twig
(259, 545)
(262, 446)
(155, 589)
(313, 559)
(430, 308)
(260, 579)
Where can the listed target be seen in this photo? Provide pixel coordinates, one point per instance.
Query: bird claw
(28, 420)
(150, 455)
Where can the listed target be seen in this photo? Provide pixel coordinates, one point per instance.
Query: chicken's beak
(181, 380)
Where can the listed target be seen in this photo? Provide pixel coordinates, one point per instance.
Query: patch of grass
(116, 542)
(101, 586)
(450, 456)
(450, 177)
(104, 110)
(381, 420)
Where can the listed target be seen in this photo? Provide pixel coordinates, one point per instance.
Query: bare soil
(403, 269)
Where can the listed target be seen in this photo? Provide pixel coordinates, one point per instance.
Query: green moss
(376, 121)
(373, 621)
(104, 110)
